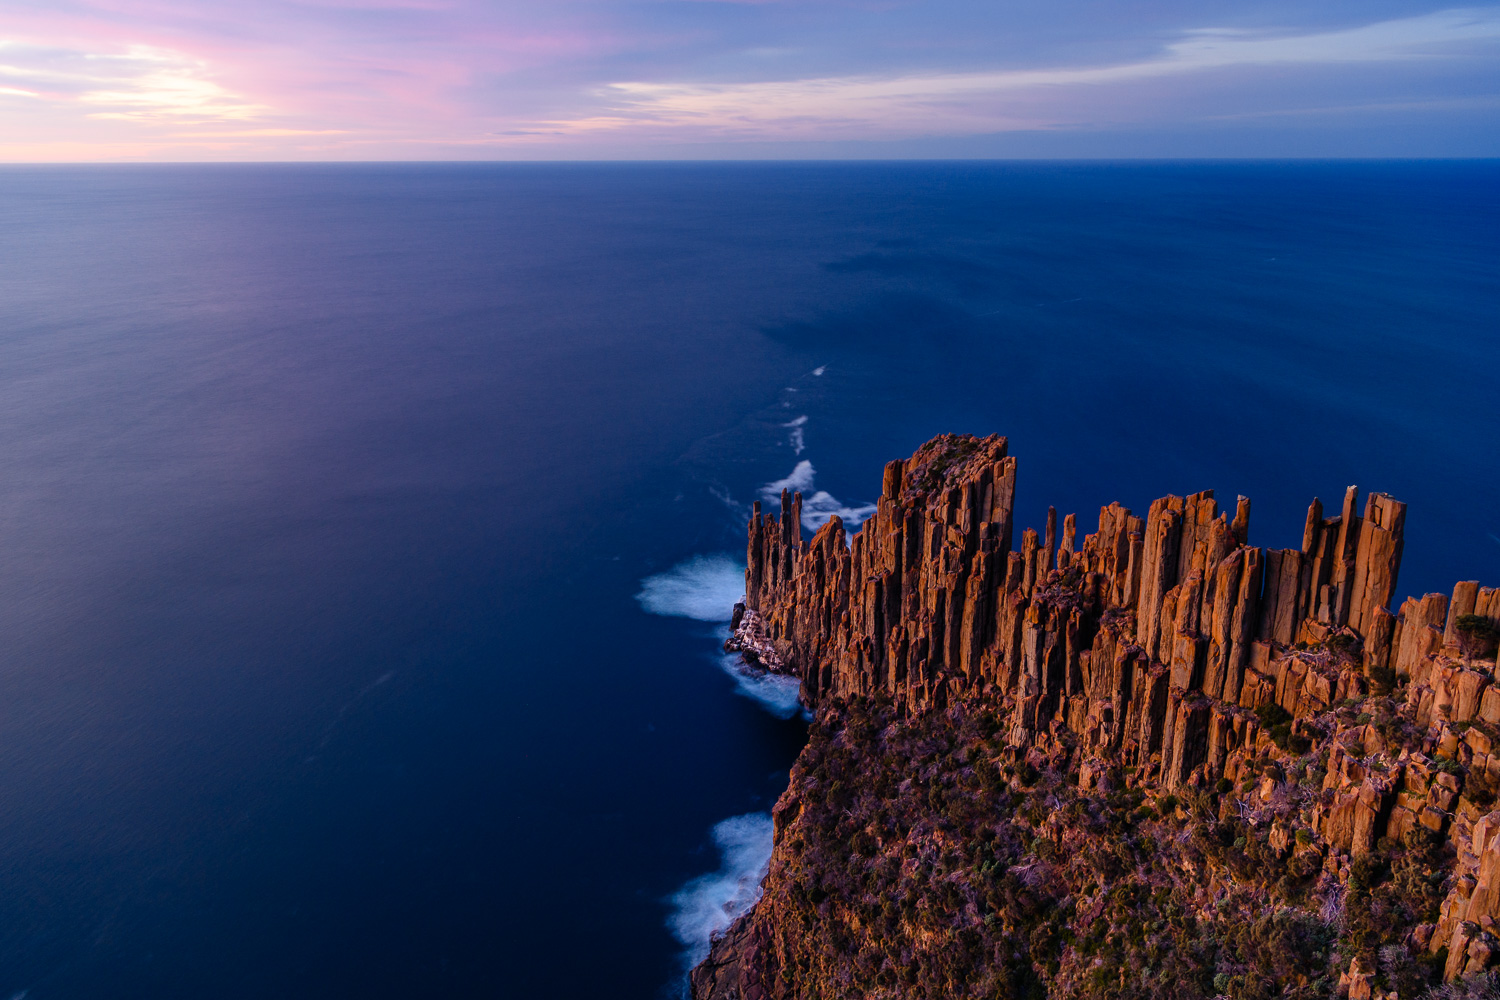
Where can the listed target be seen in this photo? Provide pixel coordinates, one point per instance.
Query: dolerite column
(755, 556)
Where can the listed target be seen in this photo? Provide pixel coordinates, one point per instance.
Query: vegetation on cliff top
(922, 858)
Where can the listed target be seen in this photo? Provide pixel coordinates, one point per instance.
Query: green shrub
(1476, 635)
(1343, 644)
(1272, 715)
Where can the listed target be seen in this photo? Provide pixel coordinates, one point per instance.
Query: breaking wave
(707, 905)
(776, 693)
(704, 587)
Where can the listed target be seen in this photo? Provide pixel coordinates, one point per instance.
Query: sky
(123, 80)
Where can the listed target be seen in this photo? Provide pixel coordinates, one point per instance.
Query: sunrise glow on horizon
(91, 80)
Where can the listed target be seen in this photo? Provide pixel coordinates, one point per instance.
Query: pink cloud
(373, 78)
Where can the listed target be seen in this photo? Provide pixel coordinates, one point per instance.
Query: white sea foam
(707, 905)
(817, 507)
(776, 693)
(798, 438)
(704, 587)
(741, 511)
(800, 481)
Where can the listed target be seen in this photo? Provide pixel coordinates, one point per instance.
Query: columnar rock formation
(1158, 642)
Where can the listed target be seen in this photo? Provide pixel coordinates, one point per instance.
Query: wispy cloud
(141, 83)
(258, 133)
(997, 99)
(312, 79)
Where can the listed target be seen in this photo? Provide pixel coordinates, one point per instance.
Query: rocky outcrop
(1165, 643)
(719, 975)
(1157, 636)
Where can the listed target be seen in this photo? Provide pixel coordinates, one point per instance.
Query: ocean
(367, 531)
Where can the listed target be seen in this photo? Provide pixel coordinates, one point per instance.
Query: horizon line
(1493, 158)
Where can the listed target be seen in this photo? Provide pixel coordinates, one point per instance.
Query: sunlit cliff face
(463, 79)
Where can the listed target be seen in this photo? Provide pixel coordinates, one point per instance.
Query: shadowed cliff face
(1246, 727)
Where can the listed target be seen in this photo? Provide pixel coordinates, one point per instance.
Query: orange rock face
(1164, 642)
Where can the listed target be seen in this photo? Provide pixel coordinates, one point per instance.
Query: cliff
(1051, 760)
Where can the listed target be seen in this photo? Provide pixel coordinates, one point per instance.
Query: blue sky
(464, 79)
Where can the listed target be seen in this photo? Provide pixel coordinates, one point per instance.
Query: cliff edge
(1158, 761)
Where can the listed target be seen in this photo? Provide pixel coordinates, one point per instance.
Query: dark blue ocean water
(327, 493)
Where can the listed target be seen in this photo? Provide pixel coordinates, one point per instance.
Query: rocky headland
(1154, 761)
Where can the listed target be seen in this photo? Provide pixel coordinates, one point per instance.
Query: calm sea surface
(328, 494)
